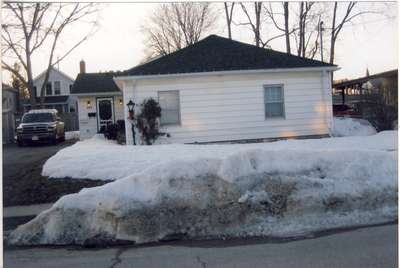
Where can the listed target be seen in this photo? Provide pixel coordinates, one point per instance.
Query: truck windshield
(37, 117)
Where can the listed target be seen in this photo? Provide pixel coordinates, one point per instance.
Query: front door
(105, 112)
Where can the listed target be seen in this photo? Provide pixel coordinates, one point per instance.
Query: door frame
(98, 112)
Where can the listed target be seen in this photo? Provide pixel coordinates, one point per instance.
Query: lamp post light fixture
(131, 106)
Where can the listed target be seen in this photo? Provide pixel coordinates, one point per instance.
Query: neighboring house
(100, 101)
(223, 90)
(351, 91)
(10, 107)
(57, 92)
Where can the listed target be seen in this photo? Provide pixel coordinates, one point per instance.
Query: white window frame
(283, 116)
(179, 107)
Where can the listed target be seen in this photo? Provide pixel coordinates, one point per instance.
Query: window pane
(57, 88)
(48, 89)
(169, 117)
(274, 109)
(274, 103)
(169, 103)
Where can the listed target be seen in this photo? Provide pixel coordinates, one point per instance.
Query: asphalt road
(366, 247)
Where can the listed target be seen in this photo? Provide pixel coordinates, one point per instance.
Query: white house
(223, 90)
(100, 101)
(57, 92)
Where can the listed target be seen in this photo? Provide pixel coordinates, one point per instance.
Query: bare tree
(229, 16)
(173, 26)
(28, 27)
(286, 29)
(255, 23)
(336, 28)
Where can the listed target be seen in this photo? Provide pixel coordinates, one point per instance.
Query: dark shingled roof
(216, 53)
(94, 83)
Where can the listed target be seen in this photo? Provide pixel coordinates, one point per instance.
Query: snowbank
(101, 159)
(343, 127)
(281, 189)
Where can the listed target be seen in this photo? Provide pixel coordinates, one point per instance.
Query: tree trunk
(286, 13)
(31, 89)
(228, 18)
(333, 38)
(257, 9)
(300, 48)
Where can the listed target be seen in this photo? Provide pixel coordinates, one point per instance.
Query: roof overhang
(119, 79)
(110, 93)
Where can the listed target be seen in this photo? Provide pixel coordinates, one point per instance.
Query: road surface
(365, 247)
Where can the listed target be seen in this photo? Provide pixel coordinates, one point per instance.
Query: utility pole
(321, 29)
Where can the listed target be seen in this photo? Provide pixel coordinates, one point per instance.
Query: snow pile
(102, 159)
(72, 135)
(343, 127)
(228, 191)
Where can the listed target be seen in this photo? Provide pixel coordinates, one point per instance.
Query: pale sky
(118, 44)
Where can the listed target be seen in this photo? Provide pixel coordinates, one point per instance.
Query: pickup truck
(40, 124)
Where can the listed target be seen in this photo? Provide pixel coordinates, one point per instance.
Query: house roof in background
(94, 83)
(55, 70)
(216, 53)
(362, 80)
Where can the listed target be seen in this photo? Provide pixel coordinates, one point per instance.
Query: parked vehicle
(38, 125)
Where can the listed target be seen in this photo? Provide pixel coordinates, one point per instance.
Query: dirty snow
(344, 127)
(283, 188)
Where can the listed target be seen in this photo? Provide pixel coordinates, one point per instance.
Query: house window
(274, 102)
(57, 88)
(169, 103)
(49, 90)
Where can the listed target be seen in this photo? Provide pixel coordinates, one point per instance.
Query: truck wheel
(20, 143)
(62, 138)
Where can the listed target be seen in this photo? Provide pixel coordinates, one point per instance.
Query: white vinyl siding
(274, 101)
(169, 103)
(232, 107)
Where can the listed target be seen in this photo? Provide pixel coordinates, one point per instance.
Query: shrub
(115, 131)
(147, 121)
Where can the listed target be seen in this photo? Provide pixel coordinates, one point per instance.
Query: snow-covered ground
(283, 188)
(343, 127)
(101, 159)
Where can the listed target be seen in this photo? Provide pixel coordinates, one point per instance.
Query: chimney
(82, 67)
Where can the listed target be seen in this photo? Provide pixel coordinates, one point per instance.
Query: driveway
(22, 180)
(20, 160)
(366, 247)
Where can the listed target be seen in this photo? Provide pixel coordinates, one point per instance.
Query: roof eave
(108, 93)
(119, 79)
